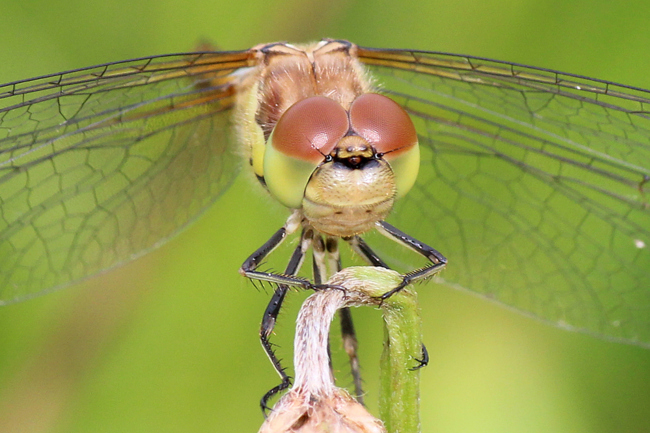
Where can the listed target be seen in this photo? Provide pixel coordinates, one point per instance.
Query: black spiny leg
(351, 346)
(268, 323)
(422, 362)
(438, 261)
(249, 267)
(271, 315)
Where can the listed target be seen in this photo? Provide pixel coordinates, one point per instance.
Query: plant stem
(399, 399)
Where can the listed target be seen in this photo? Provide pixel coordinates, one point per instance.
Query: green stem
(399, 400)
(399, 396)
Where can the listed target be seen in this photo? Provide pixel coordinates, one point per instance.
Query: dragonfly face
(321, 142)
(534, 183)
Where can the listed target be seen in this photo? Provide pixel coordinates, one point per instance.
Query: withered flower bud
(314, 403)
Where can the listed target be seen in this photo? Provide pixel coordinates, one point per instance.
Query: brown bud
(303, 412)
(315, 404)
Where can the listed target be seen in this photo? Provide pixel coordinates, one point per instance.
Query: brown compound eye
(310, 128)
(388, 128)
(383, 124)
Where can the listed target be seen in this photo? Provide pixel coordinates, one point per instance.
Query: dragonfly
(534, 183)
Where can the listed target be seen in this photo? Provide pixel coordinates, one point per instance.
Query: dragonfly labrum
(533, 183)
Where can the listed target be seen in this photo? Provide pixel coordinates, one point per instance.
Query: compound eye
(383, 124)
(390, 131)
(310, 128)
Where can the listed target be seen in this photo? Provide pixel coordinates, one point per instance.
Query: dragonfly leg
(348, 335)
(319, 264)
(424, 361)
(437, 260)
(268, 322)
(249, 267)
(361, 247)
(351, 346)
(271, 315)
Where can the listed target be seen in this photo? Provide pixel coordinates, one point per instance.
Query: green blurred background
(168, 343)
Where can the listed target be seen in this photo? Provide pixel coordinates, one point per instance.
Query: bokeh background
(168, 343)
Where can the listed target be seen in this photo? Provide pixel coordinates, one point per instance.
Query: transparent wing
(101, 164)
(533, 183)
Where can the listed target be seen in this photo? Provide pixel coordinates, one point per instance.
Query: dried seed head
(303, 412)
(315, 404)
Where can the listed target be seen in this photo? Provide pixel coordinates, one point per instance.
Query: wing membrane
(99, 165)
(533, 183)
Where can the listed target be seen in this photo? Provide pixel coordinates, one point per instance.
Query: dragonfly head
(350, 191)
(344, 168)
